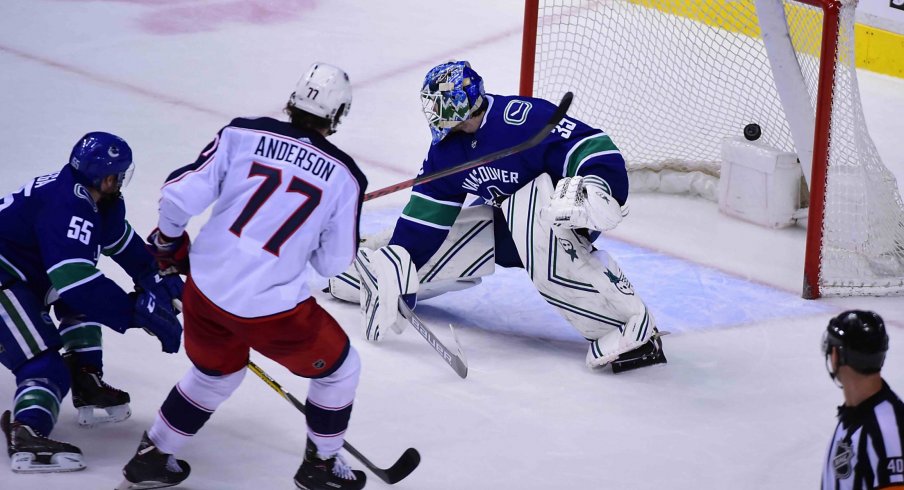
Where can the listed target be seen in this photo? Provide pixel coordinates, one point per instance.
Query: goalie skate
(646, 355)
(30, 452)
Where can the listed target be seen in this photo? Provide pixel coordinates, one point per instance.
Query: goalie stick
(456, 361)
(534, 140)
(403, 467)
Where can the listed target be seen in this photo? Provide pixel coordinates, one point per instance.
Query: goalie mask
(324, 92)
(451, 93)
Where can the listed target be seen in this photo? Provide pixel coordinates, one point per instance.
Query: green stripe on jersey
(586, 148)
(37, 397)
(82, 336)
(70, 274)
(120, 244)
(434, 212)
(21, 324)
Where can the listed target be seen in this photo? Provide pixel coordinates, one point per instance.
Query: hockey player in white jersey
(284, 199)
(539, 209)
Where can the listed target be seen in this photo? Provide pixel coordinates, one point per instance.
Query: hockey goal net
(670, 79)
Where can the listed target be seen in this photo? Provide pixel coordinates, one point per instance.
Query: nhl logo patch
(841, 462)
(319, 364)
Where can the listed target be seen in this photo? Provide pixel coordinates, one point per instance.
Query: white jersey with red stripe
(284, 199)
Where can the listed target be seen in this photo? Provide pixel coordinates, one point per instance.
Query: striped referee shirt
(866, 450)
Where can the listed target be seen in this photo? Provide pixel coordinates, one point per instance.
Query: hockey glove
(171, 253)
(167, 288)
(386, 274)
(159, 320)
(583, 202)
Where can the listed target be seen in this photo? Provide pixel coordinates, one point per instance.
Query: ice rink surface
(744, 401)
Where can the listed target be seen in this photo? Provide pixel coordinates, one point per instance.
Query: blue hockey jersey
(572, 148)
(51, 236)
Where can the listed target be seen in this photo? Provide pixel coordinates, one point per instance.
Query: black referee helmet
(860, 339)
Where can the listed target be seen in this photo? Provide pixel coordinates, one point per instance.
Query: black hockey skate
(30, 452)
(327, 474)
(646, 355)
(90, 392)
(151, 468)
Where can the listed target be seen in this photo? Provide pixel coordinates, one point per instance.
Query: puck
(752, 132)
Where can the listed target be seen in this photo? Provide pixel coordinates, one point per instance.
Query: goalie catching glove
(387, 274)
(583, 202)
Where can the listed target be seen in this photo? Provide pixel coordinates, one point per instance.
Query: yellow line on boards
(876, 49)
(879, 50)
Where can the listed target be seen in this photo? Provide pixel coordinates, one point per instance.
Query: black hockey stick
(557, 116)
(456, 361)
(395, 473)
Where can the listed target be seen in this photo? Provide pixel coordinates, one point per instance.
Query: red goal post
(855, 240)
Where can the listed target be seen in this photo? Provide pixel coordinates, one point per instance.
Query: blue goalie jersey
(572, 148)
(51, 236)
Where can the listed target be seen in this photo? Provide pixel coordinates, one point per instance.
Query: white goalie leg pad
(467, 253)
(346, 286)
(583, 202)
(639, 325)
(465, 256)
(638, 330)
(587, 288)
(386, 274)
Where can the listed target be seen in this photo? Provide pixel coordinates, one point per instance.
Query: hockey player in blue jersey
(547, 204)
(52, 232)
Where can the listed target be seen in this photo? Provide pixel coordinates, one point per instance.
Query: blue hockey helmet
(451, 93)
(98, 155)
(860, 339)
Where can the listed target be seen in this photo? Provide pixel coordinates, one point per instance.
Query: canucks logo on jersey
(516, 112)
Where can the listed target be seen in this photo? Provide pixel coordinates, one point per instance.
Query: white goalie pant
(465, 256)
(586, 287)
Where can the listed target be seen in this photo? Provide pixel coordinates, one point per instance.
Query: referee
(866, 449)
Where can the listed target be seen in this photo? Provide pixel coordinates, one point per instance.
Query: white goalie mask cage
(324, 91)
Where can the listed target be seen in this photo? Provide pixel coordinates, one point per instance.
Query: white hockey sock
(188, 407)
(329, 405)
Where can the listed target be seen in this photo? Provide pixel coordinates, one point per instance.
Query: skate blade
(147, 485)
(87, 417)
(59, 463)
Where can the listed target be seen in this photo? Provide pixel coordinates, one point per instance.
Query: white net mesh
(670, 79)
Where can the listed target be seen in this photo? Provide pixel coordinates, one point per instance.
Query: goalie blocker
(586, 286)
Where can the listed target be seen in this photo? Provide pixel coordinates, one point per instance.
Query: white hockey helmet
(324, 92)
